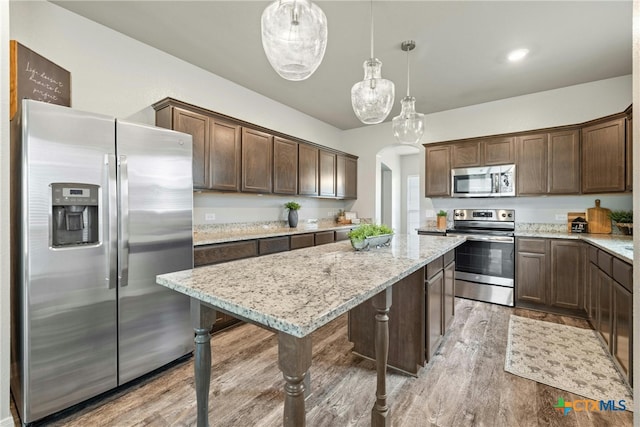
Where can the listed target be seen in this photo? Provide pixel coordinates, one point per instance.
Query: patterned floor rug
(565, 357)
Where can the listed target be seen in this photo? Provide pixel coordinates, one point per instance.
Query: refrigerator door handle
(111, 227)
(123, 238)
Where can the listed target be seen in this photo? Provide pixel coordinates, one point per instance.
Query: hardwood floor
(464, 385)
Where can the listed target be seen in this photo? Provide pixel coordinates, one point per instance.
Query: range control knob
(504, 215)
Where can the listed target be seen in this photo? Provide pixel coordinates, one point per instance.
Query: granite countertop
(297, 292)
(212, 237)
(617, 245)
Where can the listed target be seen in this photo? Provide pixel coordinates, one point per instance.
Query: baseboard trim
(7, 422)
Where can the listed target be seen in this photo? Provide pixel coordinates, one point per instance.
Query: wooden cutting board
(598, 219)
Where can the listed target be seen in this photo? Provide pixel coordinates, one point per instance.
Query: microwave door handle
(495, 189)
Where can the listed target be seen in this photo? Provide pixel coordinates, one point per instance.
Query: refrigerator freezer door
(67, 310)
(155, 183)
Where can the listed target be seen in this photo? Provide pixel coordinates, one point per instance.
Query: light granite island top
(297, 292)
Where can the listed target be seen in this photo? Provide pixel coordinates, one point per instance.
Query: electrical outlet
(561, 217)
(209, 217)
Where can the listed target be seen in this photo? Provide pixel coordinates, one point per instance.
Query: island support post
(380, 416)
(294, 358)
(203, 318)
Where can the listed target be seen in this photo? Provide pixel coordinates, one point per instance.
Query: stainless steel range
(485, 262)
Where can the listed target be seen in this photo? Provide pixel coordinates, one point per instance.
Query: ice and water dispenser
(74, 214)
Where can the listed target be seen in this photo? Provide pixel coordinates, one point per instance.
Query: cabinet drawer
(434, 267)
(604, 261)
(537, 246)
(593, 254)
(224, 252)
(448, 257)
(324, 237)
(273, 245)
(342, 235)
(623, 273)
(299, 241)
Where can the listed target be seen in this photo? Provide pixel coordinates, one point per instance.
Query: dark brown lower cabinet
(299, 241)
(550, 275)
(610, 306)
(324, 237)
(273, 245)
(342, 235)
(422, 309)
(434, 290)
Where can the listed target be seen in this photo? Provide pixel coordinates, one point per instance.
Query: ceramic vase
(293, 218)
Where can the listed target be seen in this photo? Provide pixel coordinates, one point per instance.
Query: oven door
(485, 268)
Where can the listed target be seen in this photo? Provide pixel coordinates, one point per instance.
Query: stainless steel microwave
(489, 181)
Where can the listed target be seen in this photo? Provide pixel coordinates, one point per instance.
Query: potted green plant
(293, 213)
(623, 220)
(442, 220)
(370, 235)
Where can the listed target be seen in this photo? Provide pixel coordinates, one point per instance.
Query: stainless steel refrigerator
(101, 207)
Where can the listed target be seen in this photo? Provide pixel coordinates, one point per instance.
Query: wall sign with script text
(35, 77)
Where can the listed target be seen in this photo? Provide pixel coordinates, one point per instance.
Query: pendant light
(294, 37)
(408, 126)
(372, 98)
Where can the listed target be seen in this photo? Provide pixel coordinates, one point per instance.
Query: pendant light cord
(408, 75)
(372, 29)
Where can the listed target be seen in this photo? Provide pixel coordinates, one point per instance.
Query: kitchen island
(295, 293)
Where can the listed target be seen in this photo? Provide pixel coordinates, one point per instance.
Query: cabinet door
(224, 155)
(346, 177)
(531, 275)
(257, 161)
(531, 160)
(466, 154)
(285, 166)
(593, 292)
(623, 315)
(434, 313)
(195, 125)
(603, 157)
(448, 301)
(604, 306)
(308, 170)
(564, 162)
(499, 151)
(327, 174)
(438, 171)
(568, 260)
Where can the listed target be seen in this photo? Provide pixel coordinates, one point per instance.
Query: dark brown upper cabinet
(308, 173)
(196, 125)
(233, 155)
(564, 162)
(285, 166)
(603, 157)
(346, 177)
(466, 155)
(531, 169)
(438, 170)
(499, 151)
(224, 155)
(327, 174)
(257, 161)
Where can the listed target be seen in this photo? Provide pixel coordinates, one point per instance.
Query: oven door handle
(479, 238)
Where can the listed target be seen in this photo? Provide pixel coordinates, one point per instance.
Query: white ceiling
(459, 58)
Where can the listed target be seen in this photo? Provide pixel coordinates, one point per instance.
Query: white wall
(5, 334)
(391, 159)
(569, 105)
(636, 208)
(116, 75)
(410, 165)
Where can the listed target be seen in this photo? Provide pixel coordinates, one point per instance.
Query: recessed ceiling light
(517, 55)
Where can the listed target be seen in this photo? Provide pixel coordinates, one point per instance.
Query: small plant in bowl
(623, 220)
(370, 235)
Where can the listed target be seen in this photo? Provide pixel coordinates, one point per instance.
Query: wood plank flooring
(464, 385)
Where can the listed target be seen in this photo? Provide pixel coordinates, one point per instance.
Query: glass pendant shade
(408, 126)
(372, 98)
(294, 37)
